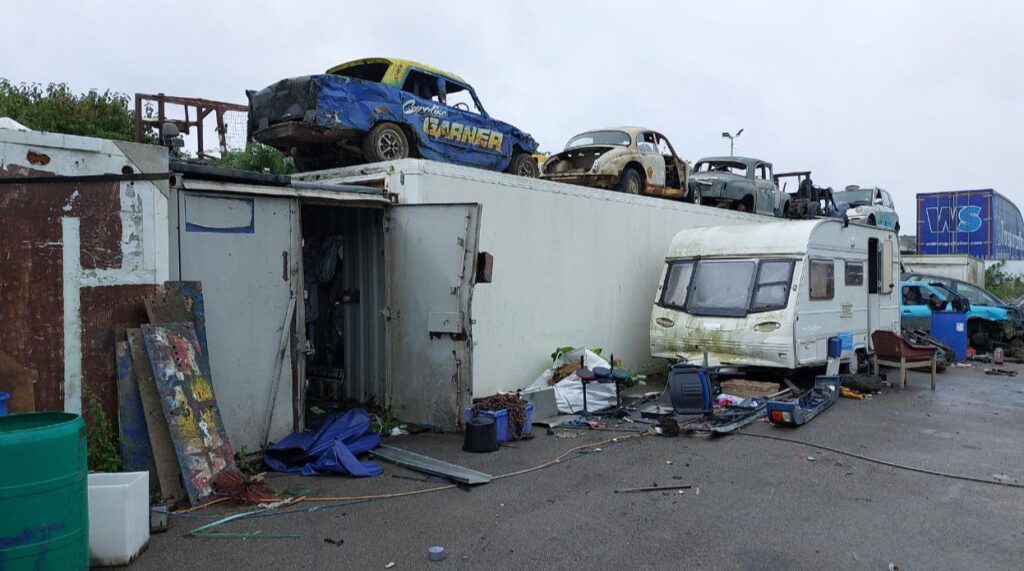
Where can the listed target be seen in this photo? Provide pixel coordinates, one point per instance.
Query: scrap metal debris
(430, 465)
(515, 406)
(654, 489)
(1001, 372)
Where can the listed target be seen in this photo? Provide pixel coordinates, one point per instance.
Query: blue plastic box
(501, 421)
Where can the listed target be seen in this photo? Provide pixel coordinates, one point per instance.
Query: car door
(887, 212)
(914, 310)
(653, 162)
(765, 202)
(481, 140)
(675, 168)
(446, 133)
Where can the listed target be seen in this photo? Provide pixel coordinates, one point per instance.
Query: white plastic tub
(118, 517)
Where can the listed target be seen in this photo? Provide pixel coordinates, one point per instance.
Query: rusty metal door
(243, 249)
(432, 251)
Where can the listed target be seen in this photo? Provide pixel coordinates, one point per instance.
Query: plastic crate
(501, 421)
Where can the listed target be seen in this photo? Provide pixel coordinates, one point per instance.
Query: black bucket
(481, 435)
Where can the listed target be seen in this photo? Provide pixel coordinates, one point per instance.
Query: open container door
(432, 251)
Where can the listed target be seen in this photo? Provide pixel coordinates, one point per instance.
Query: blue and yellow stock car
(383, 109)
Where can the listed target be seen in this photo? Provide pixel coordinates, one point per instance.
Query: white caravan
(771, 295)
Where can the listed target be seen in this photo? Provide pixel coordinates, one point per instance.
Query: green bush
(102, 448)
(57, 109)
(1007, 286)
(258, 158)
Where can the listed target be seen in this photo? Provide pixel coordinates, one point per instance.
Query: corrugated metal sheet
(363, 270)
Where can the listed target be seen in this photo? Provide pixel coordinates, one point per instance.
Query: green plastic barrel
(44, 517)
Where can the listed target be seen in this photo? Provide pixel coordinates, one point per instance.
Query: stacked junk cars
(417, 274)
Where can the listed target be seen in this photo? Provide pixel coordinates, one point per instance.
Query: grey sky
(910, 96)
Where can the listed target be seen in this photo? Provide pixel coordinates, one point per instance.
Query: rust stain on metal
(32, 294)
(38, 158)
(107, 312)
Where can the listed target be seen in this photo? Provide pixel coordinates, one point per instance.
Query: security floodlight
(732, 139)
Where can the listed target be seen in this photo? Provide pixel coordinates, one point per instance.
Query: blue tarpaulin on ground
(329, 450)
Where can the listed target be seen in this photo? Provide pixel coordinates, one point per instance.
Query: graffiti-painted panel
(182, 373)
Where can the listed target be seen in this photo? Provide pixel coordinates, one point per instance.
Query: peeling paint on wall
(77, 260)
(71, 273)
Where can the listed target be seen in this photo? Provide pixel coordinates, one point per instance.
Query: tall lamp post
(732, 139)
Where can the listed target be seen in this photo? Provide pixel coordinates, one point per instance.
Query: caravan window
(823, 283)
(676, 285)
(727, 288)
(722, 288)
(854, 273)
(772, 289)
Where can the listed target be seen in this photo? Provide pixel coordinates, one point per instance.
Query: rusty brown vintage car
(634, 160)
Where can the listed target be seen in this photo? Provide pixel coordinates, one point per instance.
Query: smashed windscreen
(620, 138)
(367, 71)
(727, 287)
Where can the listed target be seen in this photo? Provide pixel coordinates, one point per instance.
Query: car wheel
(695, 196)
(858, 363)
(630, 182)
(523, 164)
(385, 142)
(745, 205)
(896, 228)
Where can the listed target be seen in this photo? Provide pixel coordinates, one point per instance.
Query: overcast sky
(910, 96)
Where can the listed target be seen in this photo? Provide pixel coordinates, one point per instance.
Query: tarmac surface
(756, 503)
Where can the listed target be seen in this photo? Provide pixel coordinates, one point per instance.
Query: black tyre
(695, 196)
(631, 182)
(745, 205)
(385, 142)
(858, 364)
(896, 228)
(523, 164)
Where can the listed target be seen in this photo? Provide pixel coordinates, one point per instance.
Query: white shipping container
(957, 266)
(572, 265)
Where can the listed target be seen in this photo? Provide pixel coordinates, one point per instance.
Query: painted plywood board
(192, 294)
(164, 457)
(136, 452)
(181, 372)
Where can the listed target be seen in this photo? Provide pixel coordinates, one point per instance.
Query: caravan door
(432, 251)
(881, 284)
